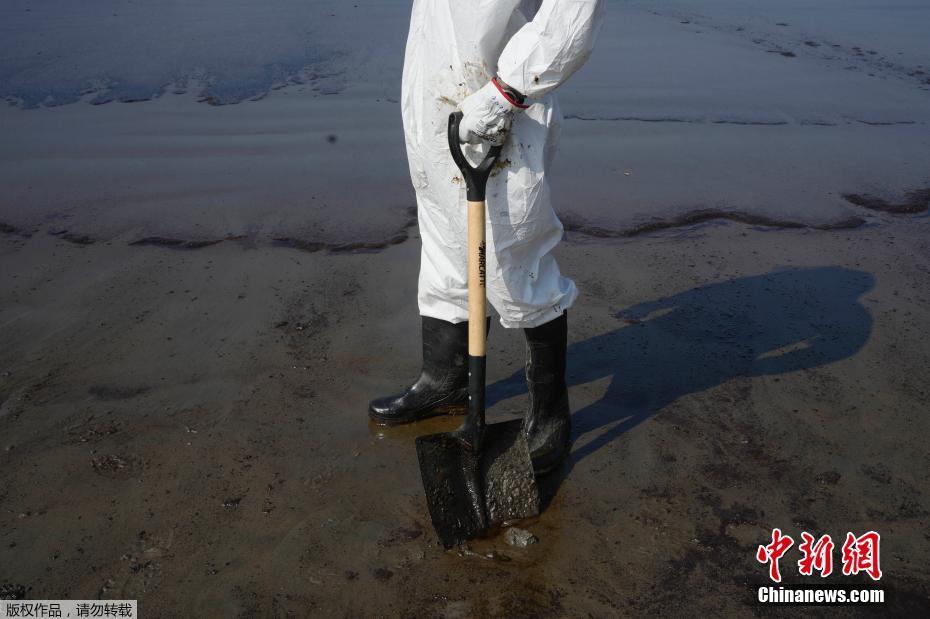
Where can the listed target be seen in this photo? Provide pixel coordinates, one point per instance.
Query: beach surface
(187, 427)
(208, 260)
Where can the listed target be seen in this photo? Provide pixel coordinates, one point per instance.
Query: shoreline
(913, 203)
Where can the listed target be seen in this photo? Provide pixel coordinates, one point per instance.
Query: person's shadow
(782, 321)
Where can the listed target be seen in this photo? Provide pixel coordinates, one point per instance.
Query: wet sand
(180, 427)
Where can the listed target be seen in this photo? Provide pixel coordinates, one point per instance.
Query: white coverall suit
(453, 49)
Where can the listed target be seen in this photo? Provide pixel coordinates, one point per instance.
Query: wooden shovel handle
(477, 291)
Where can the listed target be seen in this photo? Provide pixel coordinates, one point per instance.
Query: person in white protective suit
(498, 61)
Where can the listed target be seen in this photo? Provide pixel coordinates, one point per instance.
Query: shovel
(481, 475)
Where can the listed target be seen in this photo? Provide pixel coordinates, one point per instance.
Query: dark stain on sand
(117, 466)
(117, 392)
(400, 235)
(574, 223)
(6, 228)
(340, 248)
(174, 243)
(11, 591)
(913, 202)
(401, 535)
(351, 247)
(79, 239)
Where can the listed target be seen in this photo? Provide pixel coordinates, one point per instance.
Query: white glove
(488, 114)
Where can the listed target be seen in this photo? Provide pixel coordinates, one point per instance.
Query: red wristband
(507, 96)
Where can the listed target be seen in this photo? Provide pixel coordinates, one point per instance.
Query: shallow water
(769, 109)
(55, 50)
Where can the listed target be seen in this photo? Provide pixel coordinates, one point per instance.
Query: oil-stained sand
(188, 426)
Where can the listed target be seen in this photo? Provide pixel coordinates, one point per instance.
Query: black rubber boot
(442, 388)
(547, 423)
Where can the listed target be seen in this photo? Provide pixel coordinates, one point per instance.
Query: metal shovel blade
(469, 493)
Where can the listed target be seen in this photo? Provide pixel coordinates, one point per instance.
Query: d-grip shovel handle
(476, 180)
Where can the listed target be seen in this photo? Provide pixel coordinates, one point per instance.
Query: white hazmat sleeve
(550, 48)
